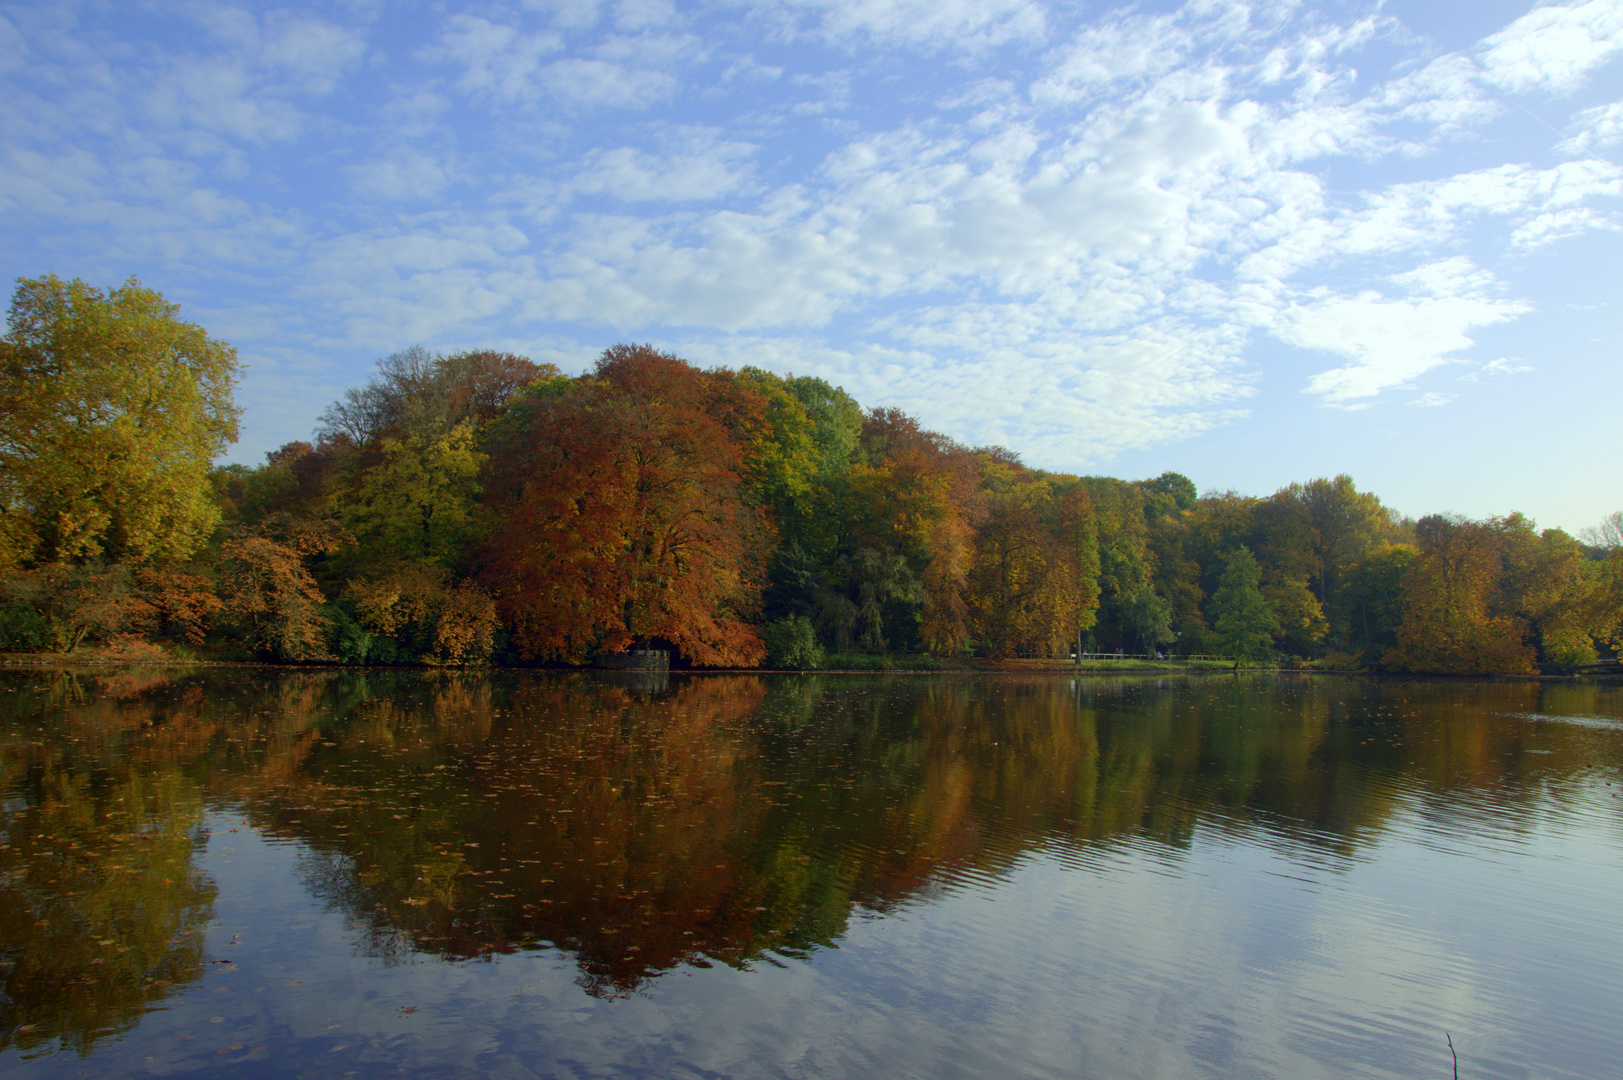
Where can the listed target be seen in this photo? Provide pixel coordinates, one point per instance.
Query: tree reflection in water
(101, 910)
(689, 821)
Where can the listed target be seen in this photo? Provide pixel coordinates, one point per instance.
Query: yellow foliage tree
(1447, 624)
(1023, 587)
(415, 498)
(446, 622)
(111, 409)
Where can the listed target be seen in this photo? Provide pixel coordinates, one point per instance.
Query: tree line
(479, 507)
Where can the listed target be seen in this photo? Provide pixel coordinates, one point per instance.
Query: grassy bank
(1099, 667)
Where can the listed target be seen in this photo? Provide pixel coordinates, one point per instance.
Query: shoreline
(966, 666)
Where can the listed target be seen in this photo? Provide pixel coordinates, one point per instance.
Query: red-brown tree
(620, 516)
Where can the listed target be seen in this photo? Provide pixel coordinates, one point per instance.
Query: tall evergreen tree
(1241, 615)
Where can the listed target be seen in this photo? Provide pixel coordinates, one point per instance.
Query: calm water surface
(332, 874)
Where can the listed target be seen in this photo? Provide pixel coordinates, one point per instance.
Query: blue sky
(1253, 243)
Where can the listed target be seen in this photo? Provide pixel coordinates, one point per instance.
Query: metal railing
(1151, 656)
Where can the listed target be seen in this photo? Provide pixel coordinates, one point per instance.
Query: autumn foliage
(479, 507)
(1493, 597)
(623, 514)
(448, 622)
(269, 591)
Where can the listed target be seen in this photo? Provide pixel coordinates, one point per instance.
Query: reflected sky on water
(331, 873)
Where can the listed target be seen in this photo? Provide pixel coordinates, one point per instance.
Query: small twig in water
(1456, 1057)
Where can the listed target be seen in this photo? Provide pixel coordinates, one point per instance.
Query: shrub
(22, 628)
(348, 642)
(792, 643)
(426, 615)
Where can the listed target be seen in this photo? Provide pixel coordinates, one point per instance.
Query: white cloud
(1064, 404)
(313, 53)
(1504, 365)
(570, 15)
(696, 167)
(600, 84)
(1594, 130)
(221, 95)
(1391, 341)
(1123, 48)
(1072, 242)
(1446, 95)
(928, 24)
(500, 62)
(496, 59)
(13, 47)
(644, 14)
(407, 176)
(249, 90)
(1554, 47)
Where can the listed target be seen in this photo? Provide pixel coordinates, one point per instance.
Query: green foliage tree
(1023, 592)
(1547, 581)
(1168, 493)
(1079, 540)
(782, 456)
(1147, 617)
(651, 501)
(791, 643)
(1373, 595)
(1126, 563)
(1345, 524)
(296, 478)
(836, 422)
(111, 410)
(1241, 615)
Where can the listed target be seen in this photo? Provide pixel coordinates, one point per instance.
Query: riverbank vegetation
(478, 507)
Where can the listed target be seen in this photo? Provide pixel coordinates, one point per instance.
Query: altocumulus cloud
(1072, 231)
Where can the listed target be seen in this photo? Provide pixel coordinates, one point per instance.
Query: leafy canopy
(111, 409)
(1241, 615)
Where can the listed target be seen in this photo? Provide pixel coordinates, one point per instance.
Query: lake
(335, 873)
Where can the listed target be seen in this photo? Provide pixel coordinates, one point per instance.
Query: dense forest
(478, 507)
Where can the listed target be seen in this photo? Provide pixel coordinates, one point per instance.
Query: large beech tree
(620, 515)
(111, 409)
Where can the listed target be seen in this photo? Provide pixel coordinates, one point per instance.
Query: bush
(425, 614)
(22, 628)
(95, 599)
(792, 643)
(347, 641)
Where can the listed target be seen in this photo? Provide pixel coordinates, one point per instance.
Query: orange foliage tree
(267, 589)
(620, 515)
(75, 601)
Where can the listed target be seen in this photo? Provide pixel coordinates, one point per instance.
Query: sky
(1254, 243)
